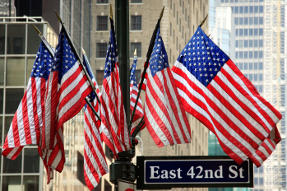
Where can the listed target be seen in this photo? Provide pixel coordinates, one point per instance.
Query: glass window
(260, 54)
(245, 32)
(12, 166)
(15, 65)
(260, 64)
(261, 20)
(255, 65)
(236, 20)
(246, 43)
(138, 47)
(100, 76)
(16, 39)
(250, 43)
(31, 183)
(251, 65)
(136, 1)
(11, 183)
(236, 9)
(1, 71)
(260, 43)
(255, 54)
(256, 20)
(251, 9)
(2, 38)
(33, 39)
(102, 23)
(241, 21)
(250, 20)
(255, 9)
(241, 9)
(246, 21)
(13, 98)
(241, 32)
(260, 9)
(250, 56)
(103, 1)
(260, 31)
(101, 49)
(250, 32)
(245, 66)
(136, 22)
(31, 160)
(30, 63)
(245, 54)
(255, 43)
(255, 32)
(246, 9)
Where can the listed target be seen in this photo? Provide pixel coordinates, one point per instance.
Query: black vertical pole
(122, 168)
(122, 35)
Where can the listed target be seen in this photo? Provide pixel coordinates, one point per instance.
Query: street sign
(192, 171)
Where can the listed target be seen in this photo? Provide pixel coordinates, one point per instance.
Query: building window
(101, 49)
(138, 47)
(136, 1)
(136, 22)
(102, 23)
(102, 1)
(100, 76)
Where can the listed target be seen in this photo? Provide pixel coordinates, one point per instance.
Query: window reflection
(33, 40)
(31, 160)
(12, 166)
(16, 39)
(11, 183)
(15, 71)
(1, 67)
(30, 63)
(13, 98)
(2, 38)
(31, 183)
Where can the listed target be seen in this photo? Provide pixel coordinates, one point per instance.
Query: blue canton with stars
(64, 55)
(43, 63)
(133, 80)
(111, 57)
(202, 57)
(159, 59)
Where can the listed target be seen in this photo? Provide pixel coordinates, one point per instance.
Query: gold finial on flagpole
(111, 11)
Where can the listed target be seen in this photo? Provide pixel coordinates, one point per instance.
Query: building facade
(19, 43)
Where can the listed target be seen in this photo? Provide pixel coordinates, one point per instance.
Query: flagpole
(145, 68)
(44, 40)
(78, 57)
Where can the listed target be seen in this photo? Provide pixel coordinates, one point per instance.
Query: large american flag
(133, 96)
(165, 117)
(66, 92)
(95, 165)
(214, 90)
(27, 121)
(114, 130)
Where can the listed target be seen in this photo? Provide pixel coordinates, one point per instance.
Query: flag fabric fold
(27, 121)
(215, 91)
(95, 165)
(114, 130)
(133, 96)
(67, 89)
(164, 115)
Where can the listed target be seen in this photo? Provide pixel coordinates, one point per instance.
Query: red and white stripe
(27, 121)
(139, 109)
(95, 165)
(114, 130)
(231, 108)
(165, 117)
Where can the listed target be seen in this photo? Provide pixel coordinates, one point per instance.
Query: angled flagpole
(144, 71)
(50, 49)
(78, 57)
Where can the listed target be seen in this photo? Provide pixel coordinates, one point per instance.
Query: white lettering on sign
(157, 173)
(198, 172)
(234, 172)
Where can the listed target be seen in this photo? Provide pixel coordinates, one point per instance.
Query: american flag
(114, 130)
(95, 165)
(165, 117)
(214, 90)
(27, 121)
(133, 96)
(66, 92)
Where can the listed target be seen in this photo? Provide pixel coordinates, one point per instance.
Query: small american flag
(66, 92)
(214, 90)
(133, 96)
(95, 165)
(114, 130)
(27, 121)
(165, 118)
